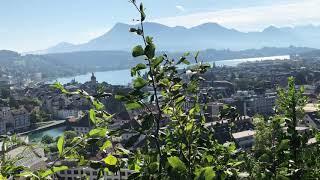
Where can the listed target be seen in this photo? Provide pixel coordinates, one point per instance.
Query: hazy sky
(27, 25)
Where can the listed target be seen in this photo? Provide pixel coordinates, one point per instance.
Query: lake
(122, 77)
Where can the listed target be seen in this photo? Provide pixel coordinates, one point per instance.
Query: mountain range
(205, 36)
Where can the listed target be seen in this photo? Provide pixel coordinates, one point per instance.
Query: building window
(75, 172)
(94, 173)
(123, 173)
(68, 171)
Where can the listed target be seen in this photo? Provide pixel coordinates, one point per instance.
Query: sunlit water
(122, 77)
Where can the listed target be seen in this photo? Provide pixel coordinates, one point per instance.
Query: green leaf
(98, 132)
(157, 61)
(59, 86)
(133, 30)
(92, 114)
(206, 173)
(60, 168)
(53, 170)
(177, 164)
(284, 145)
(122, 151)
(139, 83)
(106, 145)
(183, 60)
(238, 163)
(98, 105)
(133, 105)
(137, 68)
(196, 56)
(110, 160)
(27, 174)
(176, 87)
(143, 15)
(186, 54)
(120, 97)
(231, 147)
(180, 99)
(140, 66)
(137, 51)
(149, 40)
(150, 51)
(60, 145)
(165, 82)
(189, 126)
(317, 136)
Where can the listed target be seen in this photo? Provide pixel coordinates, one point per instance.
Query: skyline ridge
(162, 32)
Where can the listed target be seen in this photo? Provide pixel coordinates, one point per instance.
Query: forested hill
(67, 64)
(106, 60)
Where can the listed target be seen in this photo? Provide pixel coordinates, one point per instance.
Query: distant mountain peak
(209, 25)
(270, 28)
(64, 44)
(204, 36)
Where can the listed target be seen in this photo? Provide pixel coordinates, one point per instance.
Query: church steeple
(93, 78)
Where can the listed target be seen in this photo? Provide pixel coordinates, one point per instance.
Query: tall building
(93, 79)
(249, 103)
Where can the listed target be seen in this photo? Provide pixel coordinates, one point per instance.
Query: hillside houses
(14, 120)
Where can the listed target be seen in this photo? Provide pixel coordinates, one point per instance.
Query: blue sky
(27, 25)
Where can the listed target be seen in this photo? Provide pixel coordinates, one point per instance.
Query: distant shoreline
(122, 76)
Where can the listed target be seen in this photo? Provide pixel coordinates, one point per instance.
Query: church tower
(93, 79)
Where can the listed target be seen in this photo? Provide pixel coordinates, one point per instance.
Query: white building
(311, 117)
(90, 174)
(66, 113)
(244, 139)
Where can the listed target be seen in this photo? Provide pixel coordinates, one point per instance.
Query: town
(249, 90)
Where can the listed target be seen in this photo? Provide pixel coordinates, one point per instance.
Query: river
(54, 132)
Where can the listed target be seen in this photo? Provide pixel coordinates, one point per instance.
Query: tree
(5, 93)
(279, 148)
(46, 139)
(69, 136)
(290, 105)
